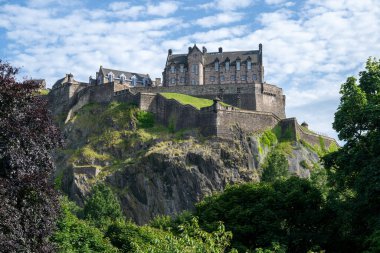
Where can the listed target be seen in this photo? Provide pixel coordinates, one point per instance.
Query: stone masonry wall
(247, 120)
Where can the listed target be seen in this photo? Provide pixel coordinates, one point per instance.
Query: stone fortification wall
(270, 99)
(315, 139)
(171, 113)
(248, 121)
(255, 97)
(60, 99)
(290, 127)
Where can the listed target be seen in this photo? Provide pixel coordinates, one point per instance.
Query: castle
(236, 78)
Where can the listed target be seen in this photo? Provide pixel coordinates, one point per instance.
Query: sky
(309, 47)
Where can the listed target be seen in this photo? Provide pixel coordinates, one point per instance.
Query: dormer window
(216, 65)
(249, 64)
(110, 77)
(134, 80)
(144, 81)
(227, 65)
(172, 69)
(181, 68)
(122, 78)
(237, 64)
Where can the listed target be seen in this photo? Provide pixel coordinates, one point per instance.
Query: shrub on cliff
(28, 201)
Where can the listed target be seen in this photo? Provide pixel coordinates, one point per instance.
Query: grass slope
(188, 100)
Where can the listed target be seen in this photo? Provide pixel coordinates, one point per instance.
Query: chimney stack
(204, 50)
(170, 52)
(220, 50)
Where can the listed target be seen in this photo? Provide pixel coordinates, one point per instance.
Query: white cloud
(227, 5)
(309, 53)
(275, 1)
(163, 8)
(219, 19)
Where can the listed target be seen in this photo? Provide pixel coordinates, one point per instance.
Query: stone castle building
(236, 78)
(213, 68)
(129, 79)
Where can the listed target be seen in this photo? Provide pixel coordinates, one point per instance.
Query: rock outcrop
(155, 171)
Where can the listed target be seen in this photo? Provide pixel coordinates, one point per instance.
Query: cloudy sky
(310, 47)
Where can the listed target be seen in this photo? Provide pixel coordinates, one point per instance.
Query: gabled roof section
(177, 59)
(128, 75)
(195, 48)
(231, 56)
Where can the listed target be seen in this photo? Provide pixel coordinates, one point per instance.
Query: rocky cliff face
(155, 171)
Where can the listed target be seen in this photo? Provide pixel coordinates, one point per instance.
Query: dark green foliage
(275, 167)
(287, 212)
(28, 202)
(76, 235)
(145, 119)
(354, 168)
(102, 208)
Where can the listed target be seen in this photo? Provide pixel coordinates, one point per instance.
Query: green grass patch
(188, 100)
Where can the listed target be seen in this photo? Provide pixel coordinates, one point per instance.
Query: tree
(102, 208)
(354, 169)
(76, 235)
(27, 135)
(275, 167)
(287, 212)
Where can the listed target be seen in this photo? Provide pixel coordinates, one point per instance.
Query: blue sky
(310, 47)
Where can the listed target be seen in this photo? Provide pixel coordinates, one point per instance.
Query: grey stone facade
(123, 78)
(203, 68)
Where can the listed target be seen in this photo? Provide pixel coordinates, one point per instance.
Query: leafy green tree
(129, 237)
(102, 208)
(354, 168)
(275, 167)
(286, 211)
(28, 208)
(75, 235)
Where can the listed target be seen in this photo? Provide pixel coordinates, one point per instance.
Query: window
(182, 80)
(134, 80)
(212, 78)
(233, 78)
(110, 77)
(173, 80)
(254, 77)
(249, 65)
(192, 81)
(216, 66)
(194, 68)
(144, 81)
(243, 78)
(172, 69)
(181, 68)
(227, 65)
(237, 65)
(222, 78)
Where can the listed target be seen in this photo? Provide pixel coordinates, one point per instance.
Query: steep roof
(212, 56)
(127, 74)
